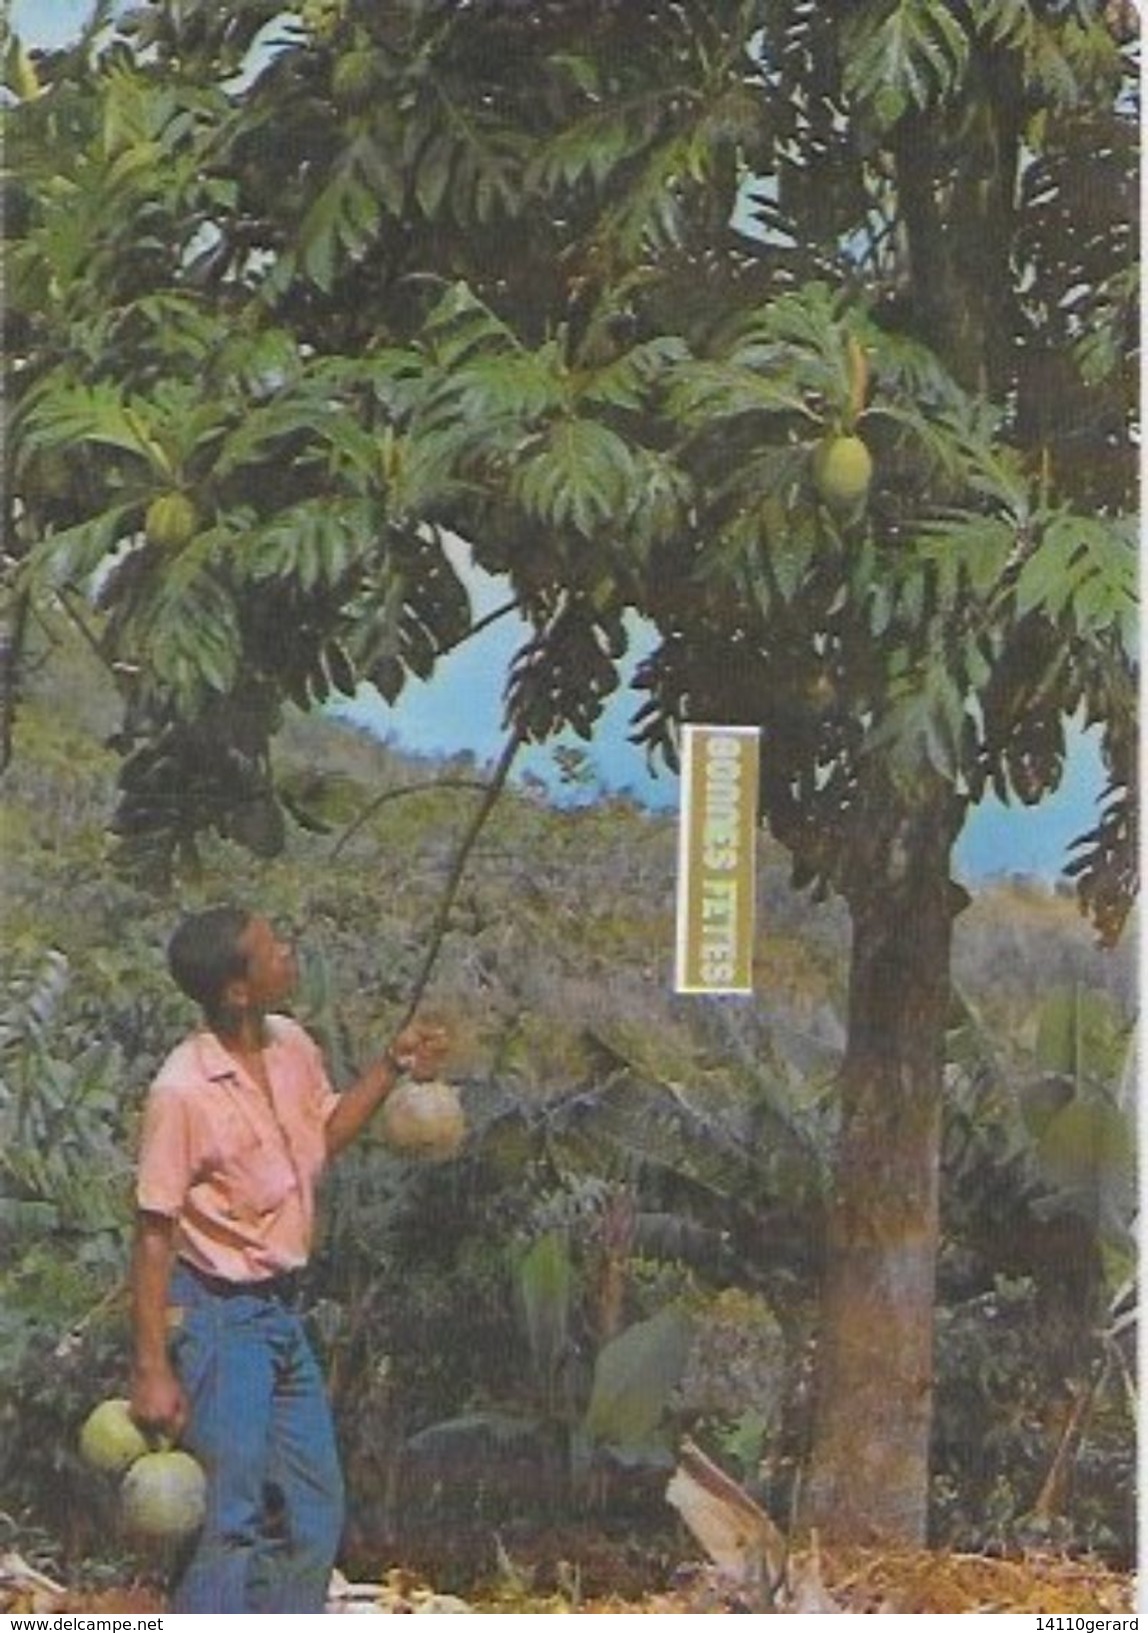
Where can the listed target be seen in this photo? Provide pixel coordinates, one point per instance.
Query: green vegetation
(333, 291)
(630, 1243)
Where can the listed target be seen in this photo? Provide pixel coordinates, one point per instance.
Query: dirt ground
(854, 1581)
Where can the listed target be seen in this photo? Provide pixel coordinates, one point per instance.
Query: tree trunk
(868, 1476)
(869, 1473)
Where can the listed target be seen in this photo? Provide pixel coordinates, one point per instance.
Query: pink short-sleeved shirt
(236, 1172)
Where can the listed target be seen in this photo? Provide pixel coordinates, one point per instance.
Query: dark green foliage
(65, 1177)
(530, 308)
(1005, 1409)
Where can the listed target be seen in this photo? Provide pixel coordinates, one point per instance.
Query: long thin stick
(458, 868)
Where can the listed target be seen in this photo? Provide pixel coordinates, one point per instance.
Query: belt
(284, 1288)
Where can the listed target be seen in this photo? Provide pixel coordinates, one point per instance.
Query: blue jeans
(260, 1425)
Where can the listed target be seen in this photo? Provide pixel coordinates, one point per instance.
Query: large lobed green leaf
(634, 1377)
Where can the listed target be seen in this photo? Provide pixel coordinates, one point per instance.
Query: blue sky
(49, 22)
(462, 707)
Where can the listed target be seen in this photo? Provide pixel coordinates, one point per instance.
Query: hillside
(564, 919)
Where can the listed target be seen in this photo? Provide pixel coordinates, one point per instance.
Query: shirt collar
(217, 1064)
(214, 1058)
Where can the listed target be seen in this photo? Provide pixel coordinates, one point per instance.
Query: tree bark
(868, 1477)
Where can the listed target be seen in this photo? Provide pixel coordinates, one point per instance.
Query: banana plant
(1050, 1128)
(1082, 1111)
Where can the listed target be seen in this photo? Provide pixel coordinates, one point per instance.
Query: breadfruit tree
(803, 330)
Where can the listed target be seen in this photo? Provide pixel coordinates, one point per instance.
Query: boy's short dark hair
(204, 955)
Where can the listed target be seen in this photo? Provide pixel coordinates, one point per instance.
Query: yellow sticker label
(717, 852)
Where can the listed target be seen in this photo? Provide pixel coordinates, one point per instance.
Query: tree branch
(483, 623)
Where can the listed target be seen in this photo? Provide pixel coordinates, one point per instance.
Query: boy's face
(271, 970)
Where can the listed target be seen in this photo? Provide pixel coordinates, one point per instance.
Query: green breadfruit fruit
(842, 471)
(171, 521)
(164, 1496)
(111, 1439)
